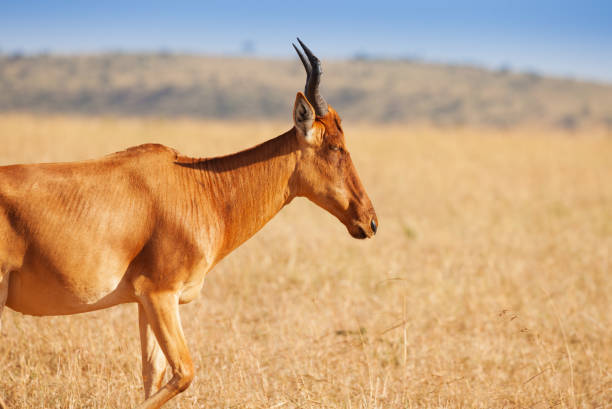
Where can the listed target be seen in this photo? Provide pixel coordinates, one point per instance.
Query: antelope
(146, 224)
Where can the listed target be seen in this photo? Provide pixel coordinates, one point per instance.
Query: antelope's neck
(246, 189)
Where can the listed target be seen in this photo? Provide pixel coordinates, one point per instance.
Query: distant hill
(367, 90)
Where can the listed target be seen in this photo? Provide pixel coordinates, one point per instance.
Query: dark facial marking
(339, 126)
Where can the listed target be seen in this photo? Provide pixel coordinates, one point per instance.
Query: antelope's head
(325, 172)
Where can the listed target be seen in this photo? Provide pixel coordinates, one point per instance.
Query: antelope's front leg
(161, 310)
(153, 360)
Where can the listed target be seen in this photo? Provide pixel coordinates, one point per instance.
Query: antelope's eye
(335, 148)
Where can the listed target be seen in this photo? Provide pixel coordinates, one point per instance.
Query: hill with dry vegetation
(395, 91)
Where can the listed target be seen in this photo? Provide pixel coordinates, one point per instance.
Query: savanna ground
(489, 283)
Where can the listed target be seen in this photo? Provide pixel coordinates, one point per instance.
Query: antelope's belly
(43, 292)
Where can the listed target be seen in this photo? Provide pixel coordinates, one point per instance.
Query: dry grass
(488, 285)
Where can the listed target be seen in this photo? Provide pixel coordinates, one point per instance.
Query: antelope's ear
(304, 117)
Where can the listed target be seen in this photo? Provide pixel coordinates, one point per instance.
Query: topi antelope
(145, 225)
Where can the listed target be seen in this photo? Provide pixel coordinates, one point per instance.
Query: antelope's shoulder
(148, 151)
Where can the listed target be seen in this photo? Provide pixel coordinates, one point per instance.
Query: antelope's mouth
(359, 233)
(363, 231)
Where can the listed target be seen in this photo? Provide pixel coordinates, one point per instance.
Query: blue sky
(554, 37)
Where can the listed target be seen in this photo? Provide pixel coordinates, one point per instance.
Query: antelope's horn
(313, 78)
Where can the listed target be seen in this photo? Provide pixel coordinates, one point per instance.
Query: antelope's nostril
(373, 226)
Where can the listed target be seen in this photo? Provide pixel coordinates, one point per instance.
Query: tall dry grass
(488, 285)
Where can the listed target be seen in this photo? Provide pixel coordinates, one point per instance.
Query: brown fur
(145, 225)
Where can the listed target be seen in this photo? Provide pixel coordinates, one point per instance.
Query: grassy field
(489, 284)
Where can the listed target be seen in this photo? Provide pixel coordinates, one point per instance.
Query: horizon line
(358, 56)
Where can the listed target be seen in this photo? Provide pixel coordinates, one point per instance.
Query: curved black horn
(313, 78)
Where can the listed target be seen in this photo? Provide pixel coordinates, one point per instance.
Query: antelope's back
(81, 193)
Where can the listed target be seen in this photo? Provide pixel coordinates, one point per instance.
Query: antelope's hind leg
(162, 313)
(4, 281)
